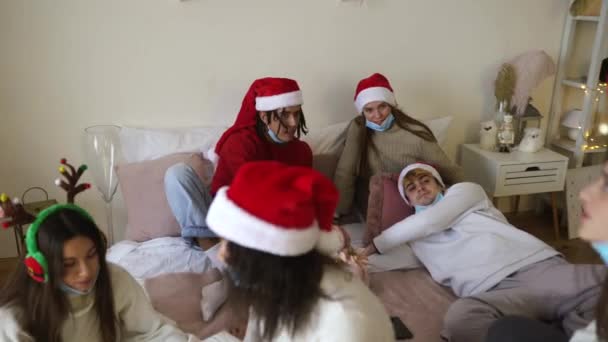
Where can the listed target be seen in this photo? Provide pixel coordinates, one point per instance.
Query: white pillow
(140, 144)
(439, 127)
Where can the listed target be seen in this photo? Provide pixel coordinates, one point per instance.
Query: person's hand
(369, 250)
(345, 236)
(355, 262)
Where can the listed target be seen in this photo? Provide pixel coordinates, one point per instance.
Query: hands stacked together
(354, 258)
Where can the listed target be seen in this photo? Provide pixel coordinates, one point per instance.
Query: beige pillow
(142, 186)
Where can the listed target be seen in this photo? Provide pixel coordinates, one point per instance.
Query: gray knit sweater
(395, 148)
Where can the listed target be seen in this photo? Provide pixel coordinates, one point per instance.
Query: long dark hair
(261, 125)
(43, 307)
(402, 120)
(601, 314)
(281, 291)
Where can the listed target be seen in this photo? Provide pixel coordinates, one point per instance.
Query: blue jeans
(189, 200)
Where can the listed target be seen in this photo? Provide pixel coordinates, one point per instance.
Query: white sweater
(138, 319)
(465, 242)
(351, 314)
(587, 334)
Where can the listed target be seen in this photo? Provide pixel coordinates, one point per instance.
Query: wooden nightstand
(516, 173)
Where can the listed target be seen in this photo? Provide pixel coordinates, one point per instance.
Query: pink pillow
(385, 205)
(142, 186)
(178, 296)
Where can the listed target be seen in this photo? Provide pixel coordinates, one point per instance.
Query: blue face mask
(234, 276)
(602, 249)
(386, 124)
(421, 208)
(74, 292)
(273, 136)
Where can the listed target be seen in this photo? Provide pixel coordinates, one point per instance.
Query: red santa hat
(264, 94)
(422, 166)
(374, 88)
(279, 209)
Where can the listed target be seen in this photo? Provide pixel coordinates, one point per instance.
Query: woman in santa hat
(267, 127)
(278, 240)
(383, 139)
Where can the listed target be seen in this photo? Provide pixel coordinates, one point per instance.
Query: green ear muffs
(35, 262)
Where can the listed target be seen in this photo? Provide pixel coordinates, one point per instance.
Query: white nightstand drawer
(530, 178)
(516, 173)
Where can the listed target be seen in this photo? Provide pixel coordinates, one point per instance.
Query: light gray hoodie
(465, 242)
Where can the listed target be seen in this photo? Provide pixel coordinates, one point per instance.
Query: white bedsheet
(173, 255)
(158, 256)
(398, 258)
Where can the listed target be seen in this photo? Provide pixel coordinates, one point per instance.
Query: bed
(173, 274)
(159, 263)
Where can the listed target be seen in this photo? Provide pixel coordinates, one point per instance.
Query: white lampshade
(572, 119)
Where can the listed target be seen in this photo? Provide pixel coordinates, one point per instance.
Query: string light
(601, 88)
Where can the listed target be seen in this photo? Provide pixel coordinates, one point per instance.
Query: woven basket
(586, 7)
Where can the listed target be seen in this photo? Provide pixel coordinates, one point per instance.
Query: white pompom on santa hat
(374, 88)
(278, 209)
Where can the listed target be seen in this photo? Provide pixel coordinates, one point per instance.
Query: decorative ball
(63, 161)
(6, 225)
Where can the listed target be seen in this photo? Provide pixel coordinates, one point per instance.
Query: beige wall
(67, 64)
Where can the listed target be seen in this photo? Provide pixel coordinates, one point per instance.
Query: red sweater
(245, 145)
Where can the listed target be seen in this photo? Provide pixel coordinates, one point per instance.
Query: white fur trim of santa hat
(232, 223)
(414, 166)
(266, 103)
(374, 94)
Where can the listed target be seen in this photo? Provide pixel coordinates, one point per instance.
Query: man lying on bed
(467, 244)
(267, 127)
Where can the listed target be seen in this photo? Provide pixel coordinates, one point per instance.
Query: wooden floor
(7, 266)
(576, 251)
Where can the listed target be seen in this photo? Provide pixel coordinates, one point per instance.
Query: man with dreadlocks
(268, 127)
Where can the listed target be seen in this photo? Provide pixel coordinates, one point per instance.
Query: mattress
(397, 278)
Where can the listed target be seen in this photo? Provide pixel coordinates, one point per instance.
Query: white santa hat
(426, 167)
(373, 88)
(278, 209)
